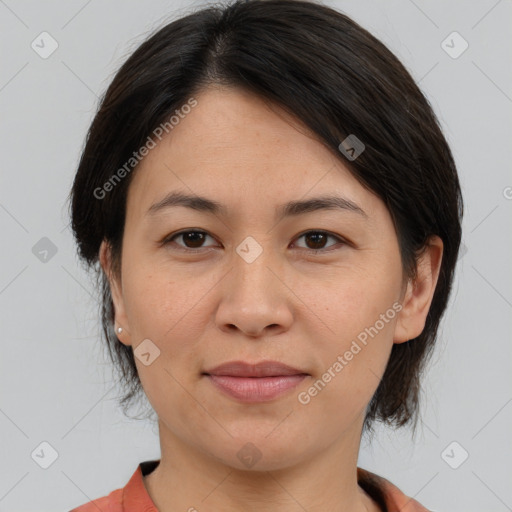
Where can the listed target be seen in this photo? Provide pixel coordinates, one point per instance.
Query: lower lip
(256, 389)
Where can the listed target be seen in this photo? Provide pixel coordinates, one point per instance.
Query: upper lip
(261, 369)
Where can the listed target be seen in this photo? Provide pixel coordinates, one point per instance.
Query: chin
(260, 452)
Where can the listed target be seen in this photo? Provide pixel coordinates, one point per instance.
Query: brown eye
(316, 240)
(191, 239)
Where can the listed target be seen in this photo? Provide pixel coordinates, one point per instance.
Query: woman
(277, 217)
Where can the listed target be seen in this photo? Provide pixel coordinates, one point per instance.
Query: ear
(419, 293)
(120, 317)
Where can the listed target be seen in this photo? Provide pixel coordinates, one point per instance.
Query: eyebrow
(292, 208)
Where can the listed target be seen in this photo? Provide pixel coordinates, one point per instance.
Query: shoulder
(389, 497)
(133, 496)
(110, 503)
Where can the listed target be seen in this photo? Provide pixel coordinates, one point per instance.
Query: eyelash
(169, 239)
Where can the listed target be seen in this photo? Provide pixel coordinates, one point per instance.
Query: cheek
(174, 400)
(162, 308)
(352, 366)
(352, 301)
(162, 305)
(353, 351)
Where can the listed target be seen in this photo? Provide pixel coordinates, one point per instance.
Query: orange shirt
(133, 497)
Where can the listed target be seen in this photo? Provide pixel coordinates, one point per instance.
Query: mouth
(258, 382)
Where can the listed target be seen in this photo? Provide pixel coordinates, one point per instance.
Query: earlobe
(120, 319)
(419, 293)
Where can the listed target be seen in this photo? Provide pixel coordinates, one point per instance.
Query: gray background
(56, 384)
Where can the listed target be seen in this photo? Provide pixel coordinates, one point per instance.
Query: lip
(259, 382)
(261, 369)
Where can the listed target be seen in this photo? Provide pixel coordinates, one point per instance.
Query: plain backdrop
(57, 385)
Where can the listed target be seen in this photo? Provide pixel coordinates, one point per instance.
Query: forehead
(236, 148)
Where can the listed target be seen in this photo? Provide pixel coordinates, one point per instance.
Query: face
(318, 289)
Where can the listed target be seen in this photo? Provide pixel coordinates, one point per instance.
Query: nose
(255, 298)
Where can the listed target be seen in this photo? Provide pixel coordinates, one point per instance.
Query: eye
(317, 239)
(192, 239)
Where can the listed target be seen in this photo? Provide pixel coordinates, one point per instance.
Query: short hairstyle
(325, 70)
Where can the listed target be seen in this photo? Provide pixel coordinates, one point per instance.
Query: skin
(290, 305)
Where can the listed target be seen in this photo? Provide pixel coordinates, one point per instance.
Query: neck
(190, 480)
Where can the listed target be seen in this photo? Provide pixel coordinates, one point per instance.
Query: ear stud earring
(119, 329)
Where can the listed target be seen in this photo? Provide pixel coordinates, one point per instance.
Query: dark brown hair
(328, 72)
